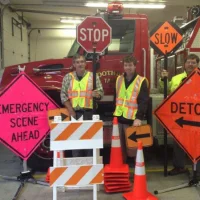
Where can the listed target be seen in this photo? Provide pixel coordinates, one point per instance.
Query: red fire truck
(130, 35)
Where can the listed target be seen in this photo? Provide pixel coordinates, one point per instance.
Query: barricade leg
(55, 165)
(94, 163)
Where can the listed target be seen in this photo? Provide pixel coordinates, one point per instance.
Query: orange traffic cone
(116, 174)
(116, 161)
(48, 175)
(140, 186)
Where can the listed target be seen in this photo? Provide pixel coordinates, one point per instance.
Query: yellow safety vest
(126, 99)
(80, 92)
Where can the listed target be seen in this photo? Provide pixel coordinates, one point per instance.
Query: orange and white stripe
(76, 135)
(115, 136)
(139, 165)
(76, 131)
(76, 175)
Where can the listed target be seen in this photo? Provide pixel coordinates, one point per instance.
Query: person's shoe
(177, 170)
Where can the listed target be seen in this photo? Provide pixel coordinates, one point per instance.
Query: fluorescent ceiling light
(70, 21)
(105, 5)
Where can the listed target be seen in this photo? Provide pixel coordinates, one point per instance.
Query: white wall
(54, 43)
(15, 50)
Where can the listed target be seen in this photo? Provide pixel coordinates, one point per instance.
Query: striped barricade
(76, 175)
(72, 135)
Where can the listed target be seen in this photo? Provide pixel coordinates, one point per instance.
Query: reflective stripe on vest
(80, 92)
(126, 100)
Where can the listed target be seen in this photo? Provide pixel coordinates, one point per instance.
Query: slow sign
(165, 38)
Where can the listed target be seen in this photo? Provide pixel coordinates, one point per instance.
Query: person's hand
(164, 73)
(96, 94)
(137, 122)
(72, 113)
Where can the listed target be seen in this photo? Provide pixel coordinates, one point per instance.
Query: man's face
(129, 68)
(190, 64)
(80, 64)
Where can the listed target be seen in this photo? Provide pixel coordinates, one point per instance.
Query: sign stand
(24, 177)
(94, 76)
(165, 132)
(165, 39)
(12, 90)
(181, 122)
(193, 182)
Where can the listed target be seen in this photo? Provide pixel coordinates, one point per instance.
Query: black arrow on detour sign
(134, 137)
(180, 121)
(63, 117)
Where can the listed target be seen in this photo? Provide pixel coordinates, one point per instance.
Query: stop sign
(92, 33)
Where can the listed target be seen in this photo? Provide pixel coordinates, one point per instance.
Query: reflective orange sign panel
(134, 134)
(63, 112)
(180, 115)
(166, 37)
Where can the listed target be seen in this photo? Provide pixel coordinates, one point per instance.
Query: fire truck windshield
(123, 34)
(74, 49)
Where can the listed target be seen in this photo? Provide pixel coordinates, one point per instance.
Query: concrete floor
(10, 165)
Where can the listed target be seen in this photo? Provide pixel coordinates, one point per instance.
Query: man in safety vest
(77, 94)
(191, 62)
(132, 97)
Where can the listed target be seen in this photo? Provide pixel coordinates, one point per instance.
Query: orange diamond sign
(166, 38)
(180, 115)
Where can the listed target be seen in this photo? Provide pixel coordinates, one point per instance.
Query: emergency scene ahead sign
(23, 115)
(180, 115)
(165, 38)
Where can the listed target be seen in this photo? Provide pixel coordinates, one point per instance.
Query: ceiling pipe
(47, 12)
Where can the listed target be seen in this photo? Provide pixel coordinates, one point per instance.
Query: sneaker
(177, 170)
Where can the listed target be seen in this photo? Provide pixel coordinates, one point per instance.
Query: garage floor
(10, 165)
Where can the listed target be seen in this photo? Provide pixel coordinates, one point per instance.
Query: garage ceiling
(54, 9)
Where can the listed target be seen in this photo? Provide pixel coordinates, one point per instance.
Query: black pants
(87, 115)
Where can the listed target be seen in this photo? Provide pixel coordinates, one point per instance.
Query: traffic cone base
(119, 187)
(121, 180)
(130, 196)
(117, 190)
(115, 183)
(48, 176)
(123, 169)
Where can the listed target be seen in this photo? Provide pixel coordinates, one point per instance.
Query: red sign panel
(166, 37)
(180, 115)
(92, 33)
(23, 115)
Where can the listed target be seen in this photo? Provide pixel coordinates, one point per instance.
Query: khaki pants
(125, 151)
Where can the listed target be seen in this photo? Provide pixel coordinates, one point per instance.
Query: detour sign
(180, 115)
(23, 115)
(165, 38)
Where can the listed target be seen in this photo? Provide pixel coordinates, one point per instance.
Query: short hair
(192, 56)
(77, 56)
(130, 59)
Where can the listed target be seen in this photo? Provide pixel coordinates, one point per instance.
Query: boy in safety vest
(191, 62)
(77, 94)
(132, 97)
